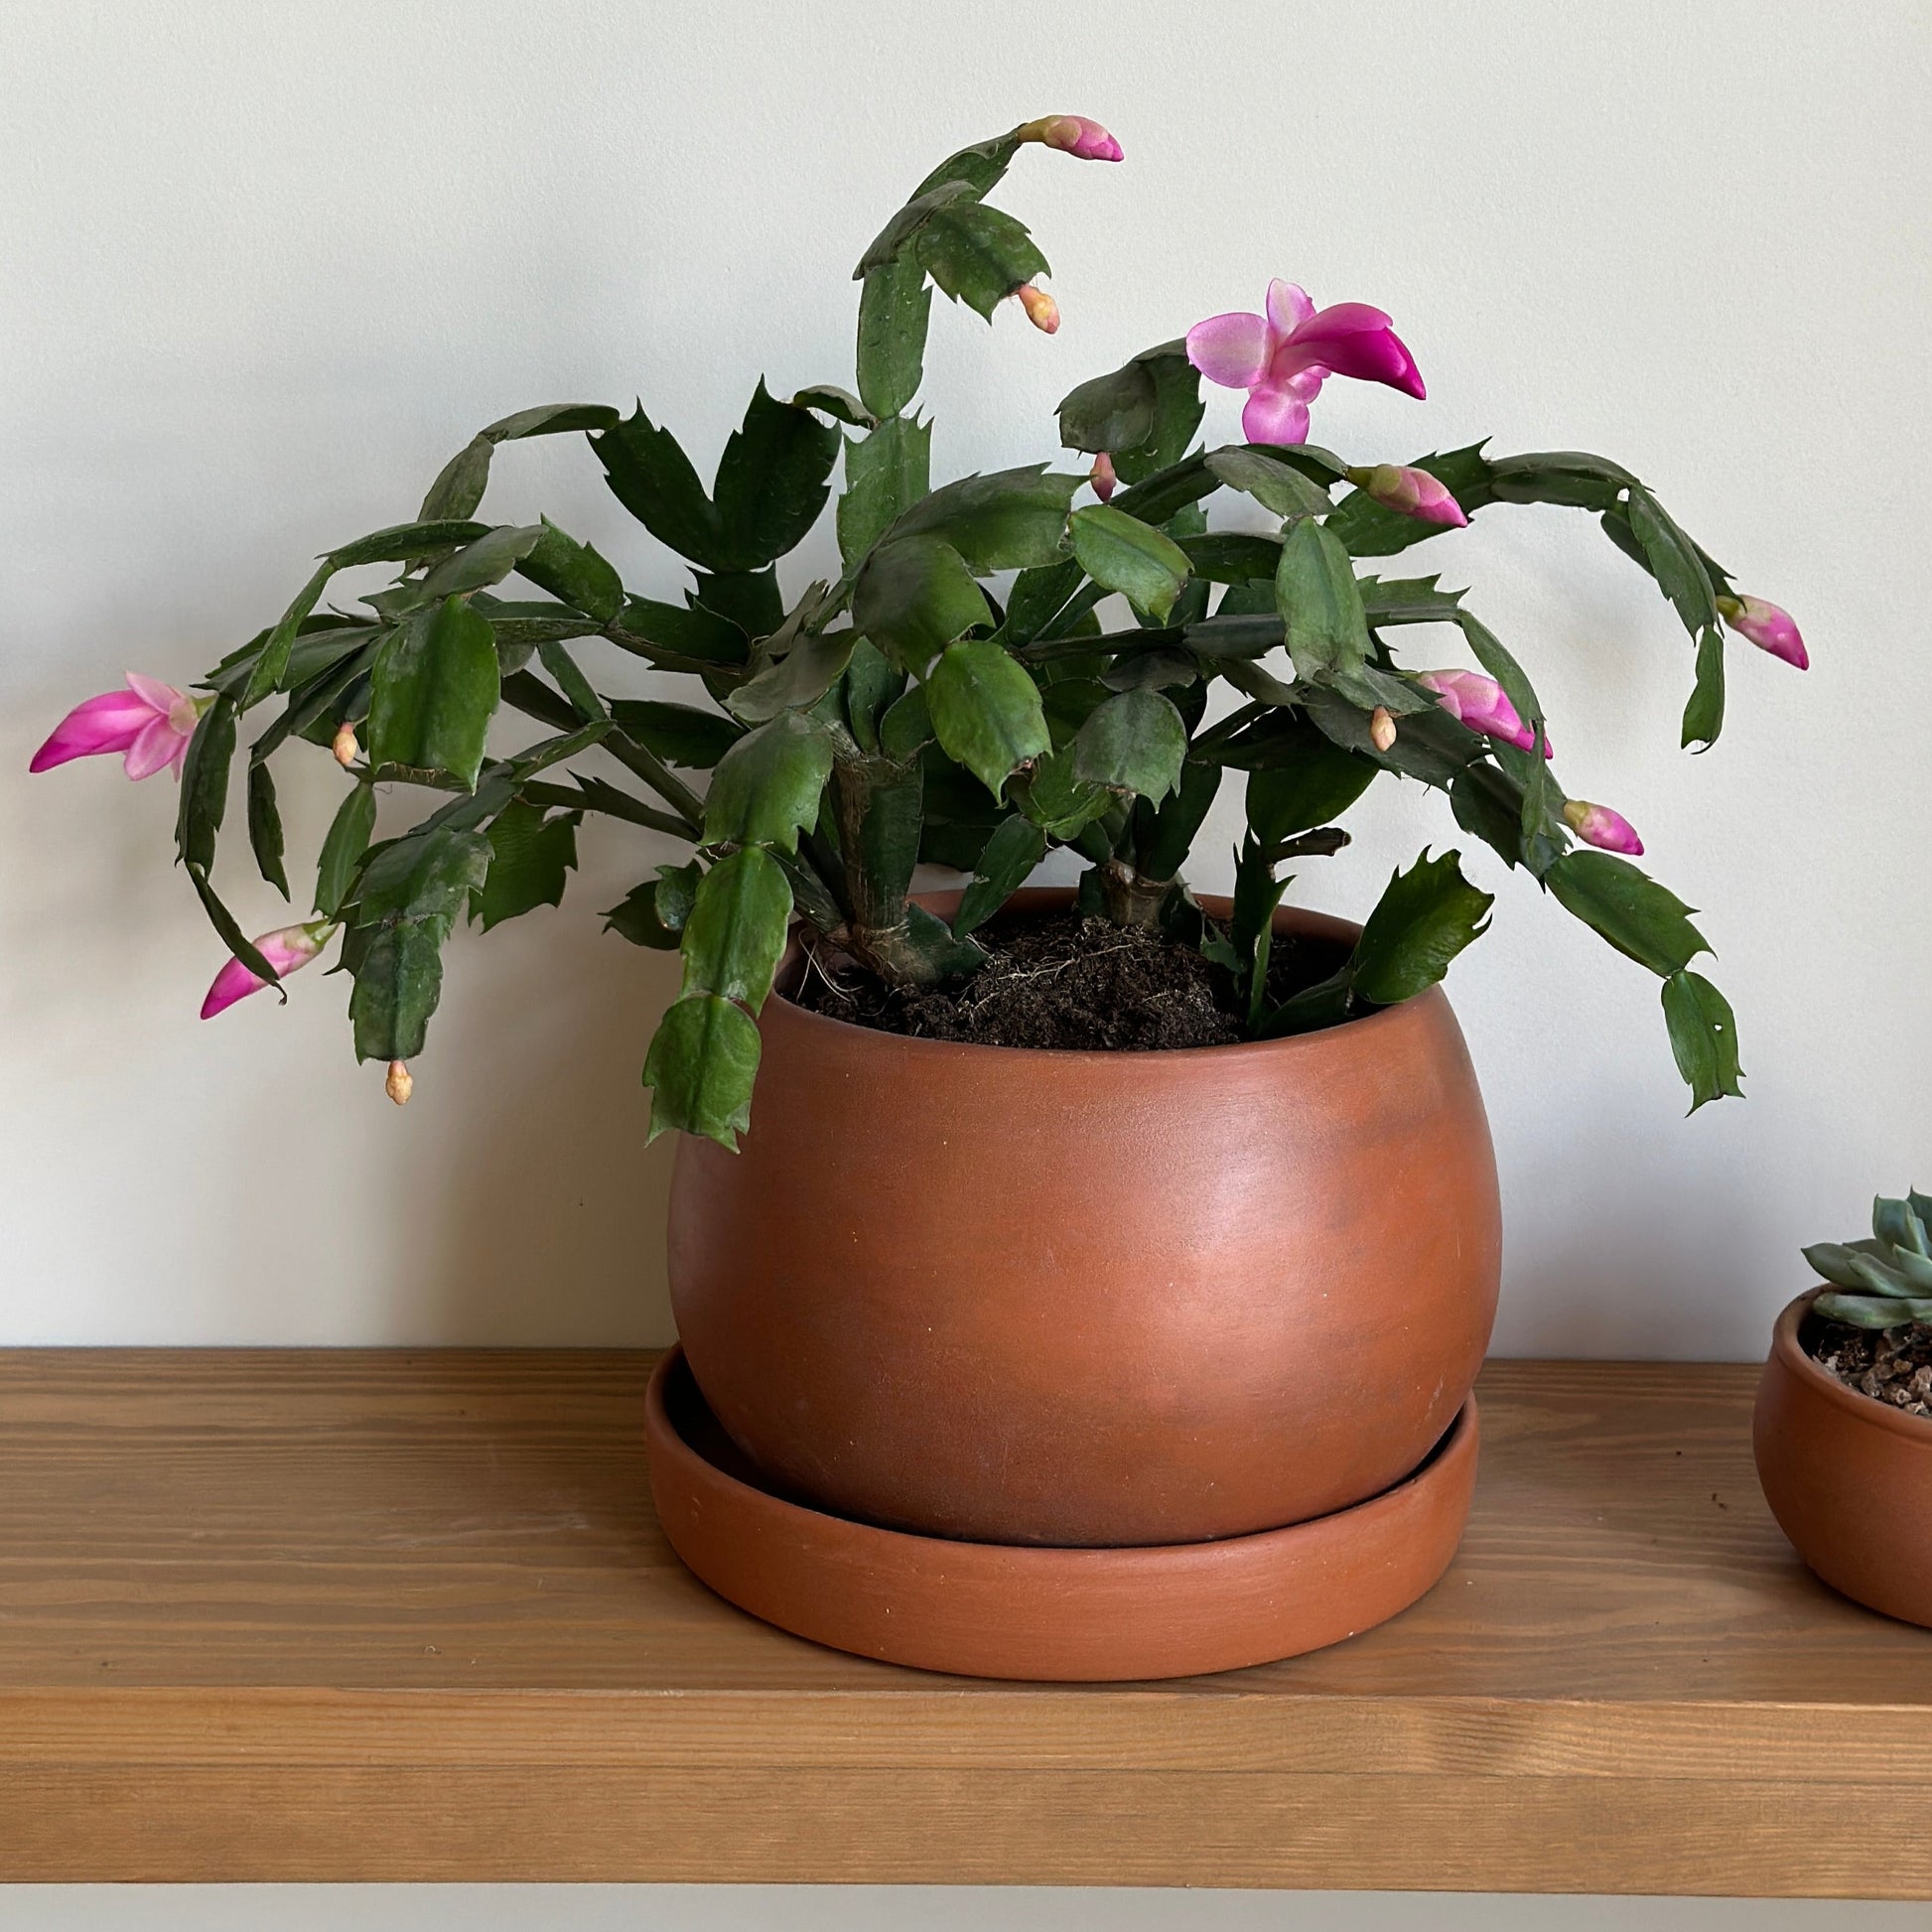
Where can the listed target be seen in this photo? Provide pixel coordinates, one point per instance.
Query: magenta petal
(234, 982)
(1287, 307)
(151, 691)
(108, 723)
(1368, 354)
(154, 749)
(1230, 350)
(1275, 415)
(1340, 319)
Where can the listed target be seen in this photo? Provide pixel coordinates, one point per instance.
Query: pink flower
(287, 950)
(1072, 134)
(1480, 703)
(150, 721)
(1768, 627)
(1414, 492)
(1105, 478)
(1041, 309)
(1283, 358)
(1599, 825)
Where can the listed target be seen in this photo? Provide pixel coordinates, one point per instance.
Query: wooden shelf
(379, 1616)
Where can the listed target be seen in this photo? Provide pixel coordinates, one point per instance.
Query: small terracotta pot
(1848, 1479)
(1093, 1299)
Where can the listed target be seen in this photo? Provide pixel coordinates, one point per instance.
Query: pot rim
(1792, 1355)
(1368, 1028)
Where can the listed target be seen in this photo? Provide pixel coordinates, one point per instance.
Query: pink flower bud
(1599, 825)
(1072, 134)
(1411, 493)
(1103, 476)
(1768, 627)
(1480, 703)
(1041, 309)
(150, 722)
(1381, 728)
(287, 950)
(399, 1083)
(344, 747)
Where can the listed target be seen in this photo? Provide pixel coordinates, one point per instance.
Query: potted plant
(1112, 1217)
(1843, 1427)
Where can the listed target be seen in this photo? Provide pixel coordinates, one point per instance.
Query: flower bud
(1041, 309)
(1599, 826)
(1381, 728)
(1103, 476)
(344, 747)
(288, 950)
(1072, 134)
(399, 1086)
(1409, 492)
(1768, 627)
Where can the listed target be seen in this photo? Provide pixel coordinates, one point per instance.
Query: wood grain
(401, 1615)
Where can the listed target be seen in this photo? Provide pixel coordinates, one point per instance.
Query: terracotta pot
(1091, 1298)
(1849, 1480)
(1002, 1609)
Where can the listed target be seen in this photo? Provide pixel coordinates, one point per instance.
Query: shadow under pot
(1093, 1299)
(1848, 1478)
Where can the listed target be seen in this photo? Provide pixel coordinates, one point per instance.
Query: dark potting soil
(1064, 981)
(1892, 1365)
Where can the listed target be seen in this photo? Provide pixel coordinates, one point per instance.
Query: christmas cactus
(960, 693)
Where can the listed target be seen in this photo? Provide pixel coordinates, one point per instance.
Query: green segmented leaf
(1006, 519)
(1641, 918)
(347, 839)
(265, 828)
(654, 913)
(530, 859)
(398, 982)
(768, 786)
(914, 596)
(986, 712)
(1121, 553)
(435, 684)
(574, 572)
(1424, 918)
(894, 309)
(885, 473)
(1005, 864)
(1320, 604)
(651, 477)
(735, 935)
(978, 254)
(1704, 714)
(204, 784)
(772, 480)
(477, 565)
(1273, 484)
(1134, 742)
(1702, 1038)
(701, 1068)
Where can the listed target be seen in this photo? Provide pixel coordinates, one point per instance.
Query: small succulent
(1888, 1280)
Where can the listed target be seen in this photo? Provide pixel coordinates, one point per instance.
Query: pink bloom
(288, 949)
(1480, 703)
(1768, 627)
(1104, 478)
(1072, 134)
(1414, 492)
(150, 721)
(1599, 825)
(1041, 309)
(1282, 358)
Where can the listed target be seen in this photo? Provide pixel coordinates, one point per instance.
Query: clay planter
(1849, 1480)
(1002, 1609)
(1090, 1299)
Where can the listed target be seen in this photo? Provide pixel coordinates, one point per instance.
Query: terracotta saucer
(988, 1609)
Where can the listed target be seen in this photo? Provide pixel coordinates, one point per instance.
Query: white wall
(263, 267)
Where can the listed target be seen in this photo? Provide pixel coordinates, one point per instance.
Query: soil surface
(1891, 1365)
(1067, 981)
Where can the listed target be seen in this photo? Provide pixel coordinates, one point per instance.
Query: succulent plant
(1887, 1280)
